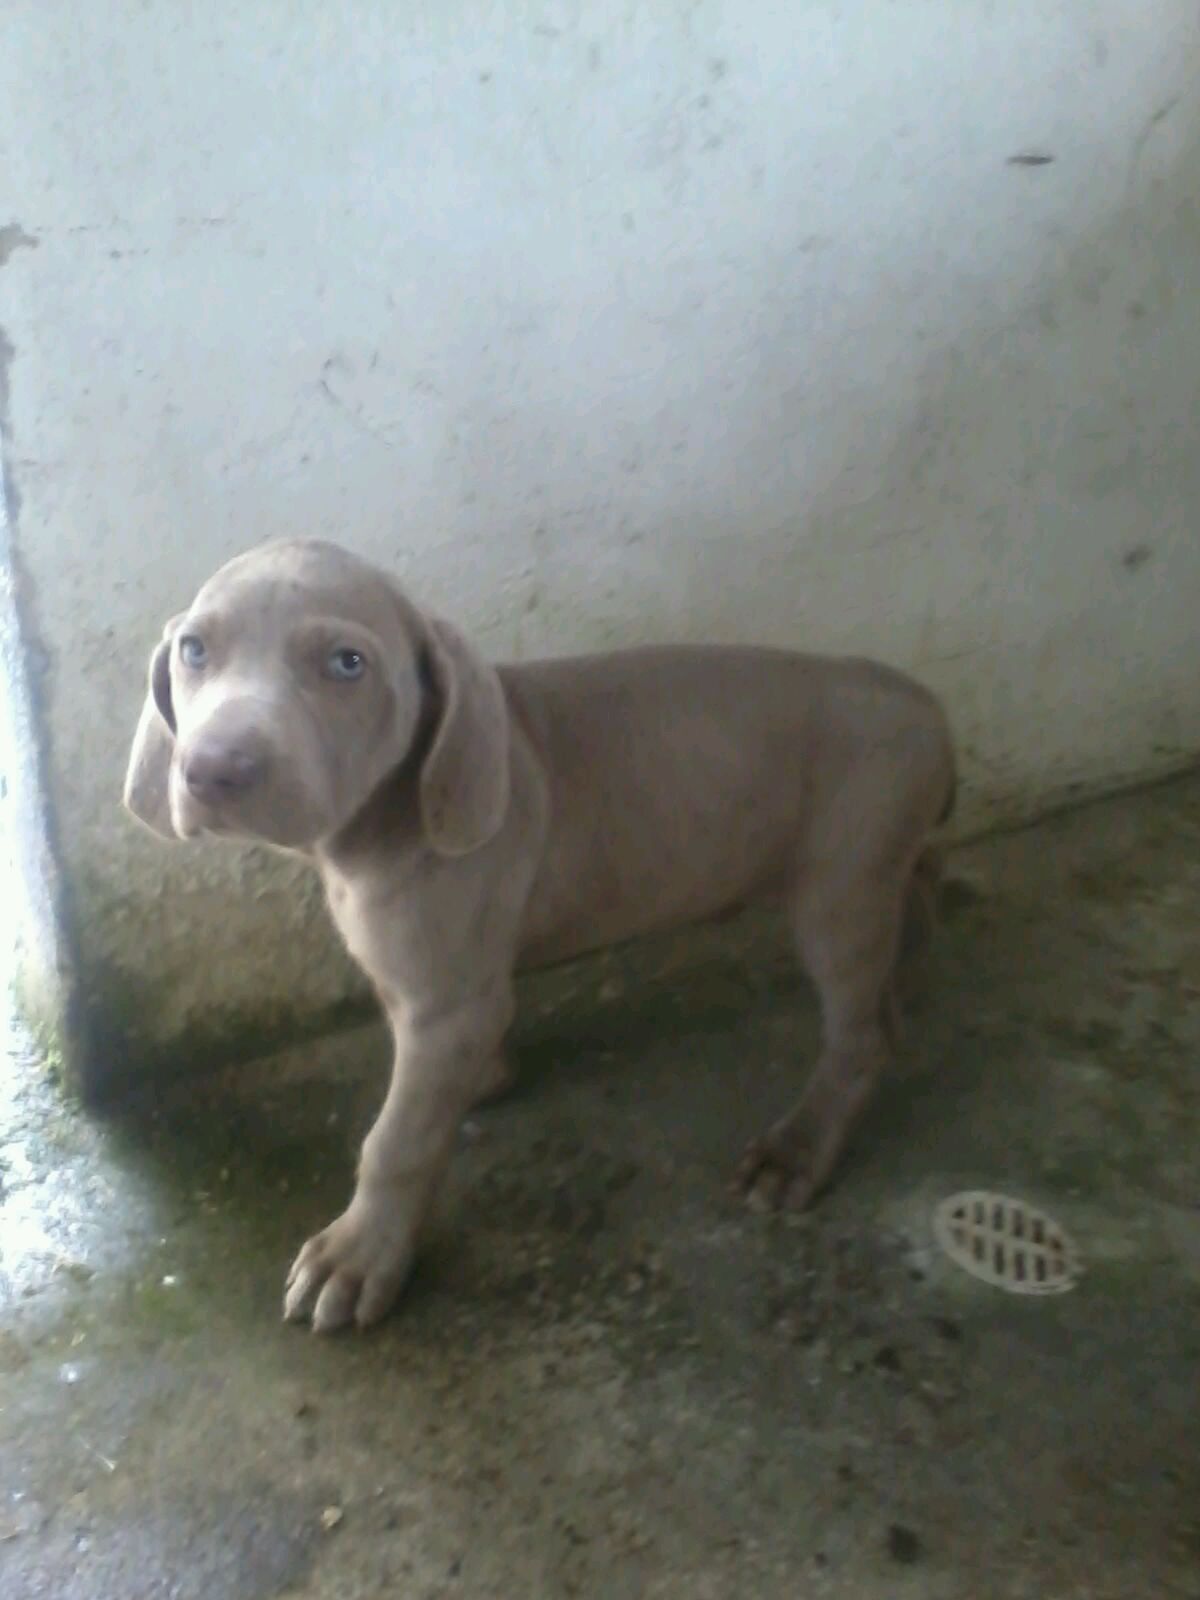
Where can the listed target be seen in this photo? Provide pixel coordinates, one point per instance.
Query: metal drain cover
(1006, 1242)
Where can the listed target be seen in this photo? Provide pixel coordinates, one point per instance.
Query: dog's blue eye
(192, 652)
(347, 665)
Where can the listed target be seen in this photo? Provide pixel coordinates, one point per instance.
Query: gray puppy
(468, 820)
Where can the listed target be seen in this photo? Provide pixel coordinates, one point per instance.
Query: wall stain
(13, 238)
(1136, 557)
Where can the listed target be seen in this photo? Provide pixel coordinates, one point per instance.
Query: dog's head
(298, 680)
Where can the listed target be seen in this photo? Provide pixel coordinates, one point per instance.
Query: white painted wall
(606, 322)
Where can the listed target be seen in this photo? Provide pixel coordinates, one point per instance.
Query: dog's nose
(216, 772)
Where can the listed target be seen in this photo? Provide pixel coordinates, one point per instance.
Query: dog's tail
(951, 800)
(921, 905)
(948, 763)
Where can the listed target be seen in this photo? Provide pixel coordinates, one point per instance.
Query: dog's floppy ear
(153, 744)
(464, 783)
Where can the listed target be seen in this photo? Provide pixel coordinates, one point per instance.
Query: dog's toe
(351, 1272)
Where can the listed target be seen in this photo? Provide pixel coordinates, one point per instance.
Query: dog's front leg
(354, 1269)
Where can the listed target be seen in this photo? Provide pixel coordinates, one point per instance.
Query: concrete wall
(833, 325)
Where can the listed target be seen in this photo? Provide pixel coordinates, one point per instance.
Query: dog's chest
(378, 928)
(357, 933)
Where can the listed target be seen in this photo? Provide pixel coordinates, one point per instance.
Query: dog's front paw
(790, 1164)
(353, 1270)
(770, 1177)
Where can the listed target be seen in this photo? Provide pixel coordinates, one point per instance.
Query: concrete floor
(608, 1379)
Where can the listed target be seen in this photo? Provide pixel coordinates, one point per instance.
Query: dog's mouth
(194, 821)
(218, 827)
(194, 816)
(260, 822)
(277, 810)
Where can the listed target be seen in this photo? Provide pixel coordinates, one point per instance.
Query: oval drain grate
(1006, 1242)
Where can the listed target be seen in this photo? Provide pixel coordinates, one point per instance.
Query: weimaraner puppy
(469, 819)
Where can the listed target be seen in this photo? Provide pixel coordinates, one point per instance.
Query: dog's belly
(609, 898)
(547, 949)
